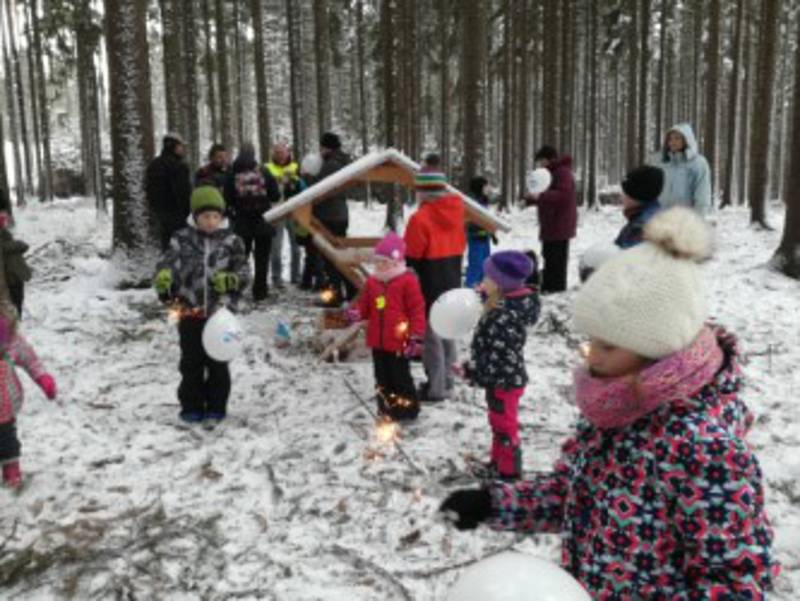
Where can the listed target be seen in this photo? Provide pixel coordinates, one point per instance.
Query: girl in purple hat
(497, 354)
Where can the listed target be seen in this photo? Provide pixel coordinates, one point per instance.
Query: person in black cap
(168, 186)
(333, 214)
(640, 191)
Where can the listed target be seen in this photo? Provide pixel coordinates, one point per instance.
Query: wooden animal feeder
(388, 166)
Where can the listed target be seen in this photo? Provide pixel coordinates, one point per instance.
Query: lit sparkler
(327, 295)
(387, 432)
(401, 329)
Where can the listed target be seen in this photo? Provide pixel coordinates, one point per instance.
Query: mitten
(48, 385)
(470, 506)
(225, 281)
(163, 281)
(353, 315)
(413, 348)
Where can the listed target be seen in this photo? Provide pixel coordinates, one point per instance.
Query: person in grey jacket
(687, 176)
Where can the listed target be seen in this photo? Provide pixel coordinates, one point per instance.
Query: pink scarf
(618, 402)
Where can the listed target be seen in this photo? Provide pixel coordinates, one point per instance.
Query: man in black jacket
(333, 214)
(168, 186)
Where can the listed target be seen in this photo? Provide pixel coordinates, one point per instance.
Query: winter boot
(12, 474)
(191, 417)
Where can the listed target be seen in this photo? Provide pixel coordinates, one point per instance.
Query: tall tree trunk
(733, 108)
(47, 191)
(787, 257)
(712, 84)
(323, 64)
(172, 41)
(34, 98)
(644, 74)
(13, 123)
(131, 132)
(744, 113)
(591, 183)
(225, 106)
(11, 7)
(362, 96)
(211, 96)
(387, 41)
(521, 40)
(760, 123)
(632, 151)
(550, 74)
(262, 99)
(87, 35)
(297, 99)
(697, 78)
(190, 99)
(238, 71)
(5, 190)
(663, 62)
(445, 106)
(473, 54)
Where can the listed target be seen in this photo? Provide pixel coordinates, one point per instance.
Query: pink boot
(12, 475)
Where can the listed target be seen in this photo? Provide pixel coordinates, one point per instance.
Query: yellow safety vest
(278, 172)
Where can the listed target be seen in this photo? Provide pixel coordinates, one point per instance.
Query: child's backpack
(251, 191)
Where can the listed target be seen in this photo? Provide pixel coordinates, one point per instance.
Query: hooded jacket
(394, 310)
(668, 507)
(435, 243)
(250, 191)
(168, 186)
(557, 207)
(498, 346)
(334, 208)
(17, 353)
(687, 176)
(194, 257)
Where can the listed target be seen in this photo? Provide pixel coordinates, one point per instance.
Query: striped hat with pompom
(651, 299)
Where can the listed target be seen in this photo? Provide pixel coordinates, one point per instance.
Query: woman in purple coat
(558, 217)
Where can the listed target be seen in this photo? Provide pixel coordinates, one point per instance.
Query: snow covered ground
(295, 498)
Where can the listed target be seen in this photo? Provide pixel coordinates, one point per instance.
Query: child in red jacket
(391, 303)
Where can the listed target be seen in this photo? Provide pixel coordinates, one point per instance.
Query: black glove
(495, 241)
(471, 506)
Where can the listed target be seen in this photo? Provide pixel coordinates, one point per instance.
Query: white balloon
(539, 180)
(222, 336)
(595, 256)
(516, 577)
(311, 164)
(455, 313)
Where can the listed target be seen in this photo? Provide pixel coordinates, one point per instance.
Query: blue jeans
(477, 252)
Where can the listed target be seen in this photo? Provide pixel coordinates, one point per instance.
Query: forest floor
(295, 497)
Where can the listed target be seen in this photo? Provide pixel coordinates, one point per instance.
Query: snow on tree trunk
(760, 128)
(474, 46)
(47, 191)
(787, 257)
(262, 99)
(131, 135)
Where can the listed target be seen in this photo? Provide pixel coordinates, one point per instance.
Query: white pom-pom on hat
(651, 299)
(681, 232)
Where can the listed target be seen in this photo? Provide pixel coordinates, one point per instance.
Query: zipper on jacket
(205, 275)
(380, 315)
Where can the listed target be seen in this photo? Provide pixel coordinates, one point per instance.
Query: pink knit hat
(392, 247)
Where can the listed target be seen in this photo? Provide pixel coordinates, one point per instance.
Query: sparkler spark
(326, 296)
(386, 432)
(401, 329)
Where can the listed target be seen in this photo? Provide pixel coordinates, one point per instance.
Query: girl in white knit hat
(657, 495)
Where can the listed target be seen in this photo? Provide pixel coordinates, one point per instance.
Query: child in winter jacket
(15, 266)
(392, 304)
(640, 190)
(16, 352)
(479, 240)
(657, 495)
(204, 268)
(497, 353)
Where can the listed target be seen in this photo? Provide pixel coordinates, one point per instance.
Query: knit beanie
(207, 198)
(651, 299)
(392, 247)
(330, 140)
(430, 180)
(509, 269)
(644, 184)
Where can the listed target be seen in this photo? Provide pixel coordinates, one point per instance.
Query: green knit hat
(207, 198)
(430, 181)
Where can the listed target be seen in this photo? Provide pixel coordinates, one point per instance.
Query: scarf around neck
(618, 402)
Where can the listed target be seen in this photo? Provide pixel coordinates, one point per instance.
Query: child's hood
(524, 303)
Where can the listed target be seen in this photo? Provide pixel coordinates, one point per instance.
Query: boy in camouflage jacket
(203, 269)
